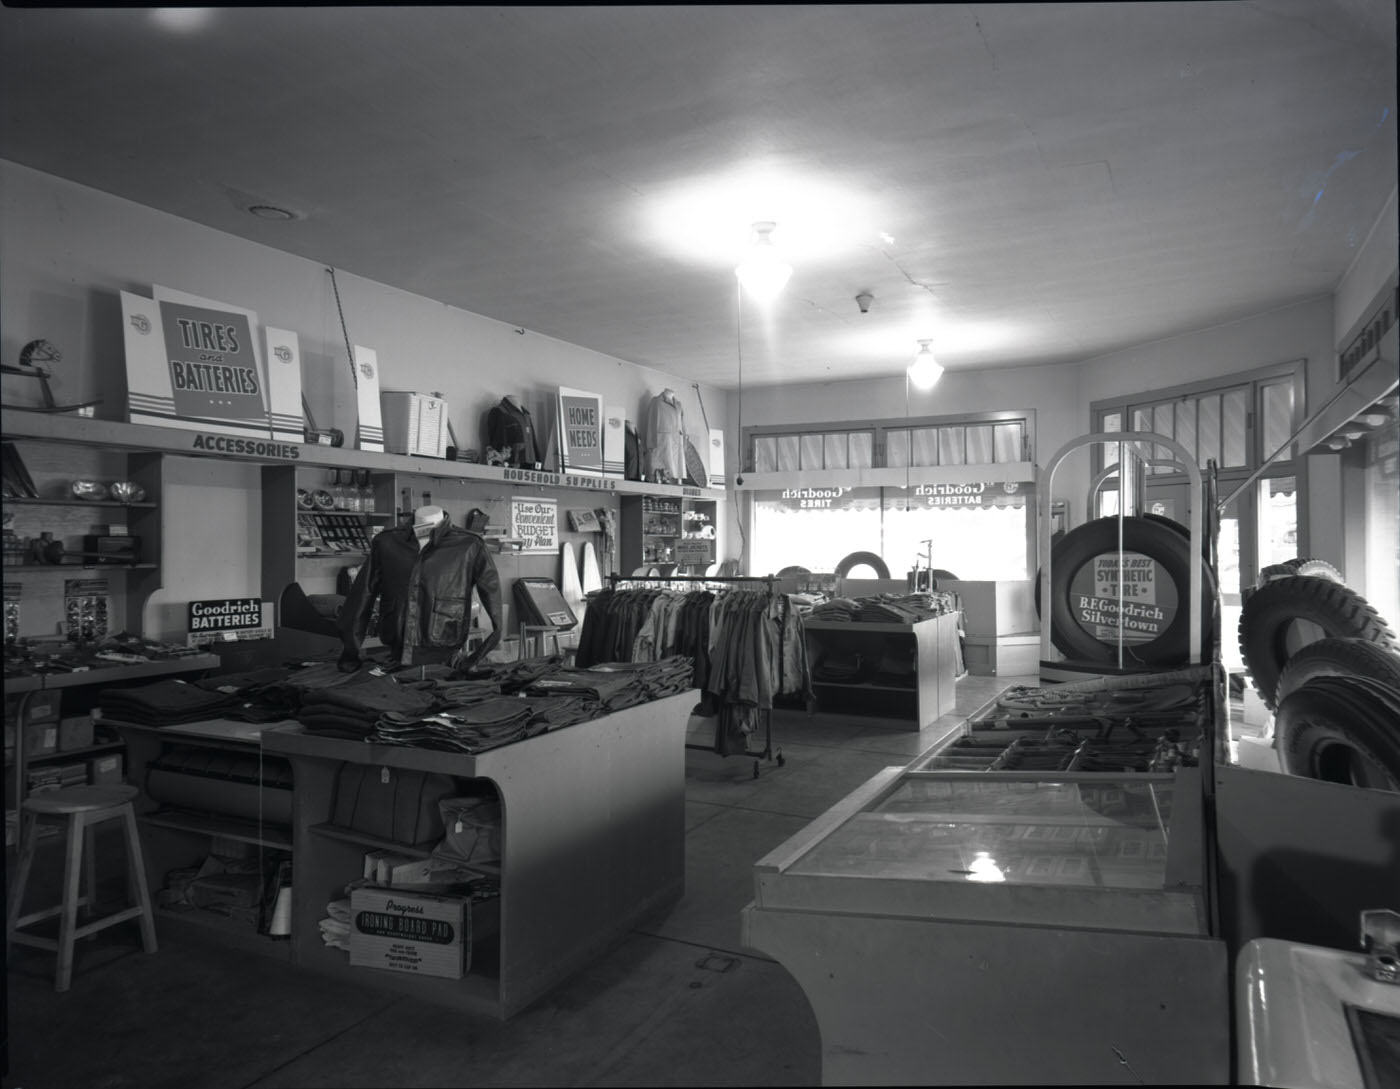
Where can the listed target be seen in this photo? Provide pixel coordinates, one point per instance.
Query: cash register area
(678, 1001)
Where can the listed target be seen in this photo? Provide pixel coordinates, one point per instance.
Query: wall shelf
(18, 424)
(68, 502)
(264, 835)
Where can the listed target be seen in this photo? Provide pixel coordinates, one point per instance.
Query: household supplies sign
(1129, 596)
(536, 523)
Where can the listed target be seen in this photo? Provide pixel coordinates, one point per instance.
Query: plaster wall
(67, 252)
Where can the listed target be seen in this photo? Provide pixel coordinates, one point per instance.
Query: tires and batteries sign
(1128, 596)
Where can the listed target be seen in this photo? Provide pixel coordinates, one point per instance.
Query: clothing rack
(768, 752)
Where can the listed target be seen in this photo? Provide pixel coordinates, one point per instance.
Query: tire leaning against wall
(1340, 658)
(1312, 567)
(1341, 730)
(1268, 639)
(1165, 545)
(855, 559)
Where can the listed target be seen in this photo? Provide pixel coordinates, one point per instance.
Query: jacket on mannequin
(509, 427)
(663, 438)
(424, 590)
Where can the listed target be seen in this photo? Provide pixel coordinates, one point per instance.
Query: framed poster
(580, 432)
(193, 363)
(536, 523)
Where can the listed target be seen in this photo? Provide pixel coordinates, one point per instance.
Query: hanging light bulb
(925, 371)
(764, 273)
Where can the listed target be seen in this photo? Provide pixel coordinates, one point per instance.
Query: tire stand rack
(768, 752)
(1128, 442)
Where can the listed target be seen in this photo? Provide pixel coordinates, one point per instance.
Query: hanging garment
(663, 437)
(424, 596)
(509, 427)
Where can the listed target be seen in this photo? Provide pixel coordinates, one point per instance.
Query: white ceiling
(1053, 181)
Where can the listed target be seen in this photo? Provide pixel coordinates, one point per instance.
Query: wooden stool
(81, 808)
(534, 635)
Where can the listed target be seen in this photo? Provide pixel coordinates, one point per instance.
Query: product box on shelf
(410, 932)
(74, 732)
(40, 739)
(106, 769)
(43, 707)
(414, 423)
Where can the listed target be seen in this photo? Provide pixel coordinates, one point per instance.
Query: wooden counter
(933, 646)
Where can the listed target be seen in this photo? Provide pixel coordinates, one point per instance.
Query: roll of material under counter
(252, 787)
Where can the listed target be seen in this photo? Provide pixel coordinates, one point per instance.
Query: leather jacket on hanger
(424, 595)
(509, 427)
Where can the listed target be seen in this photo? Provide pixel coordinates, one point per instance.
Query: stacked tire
(1329, 666)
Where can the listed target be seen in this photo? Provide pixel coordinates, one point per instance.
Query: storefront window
(1278, 520)
(977, 531)
(814, 528)
(1382, 542)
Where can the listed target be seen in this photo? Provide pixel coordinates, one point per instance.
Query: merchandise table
(931, 646)
(592, 840)
(1003, 928)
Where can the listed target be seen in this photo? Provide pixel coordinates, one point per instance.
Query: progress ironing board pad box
(416, 932)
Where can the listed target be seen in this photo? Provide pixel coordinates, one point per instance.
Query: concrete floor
(677, 1002)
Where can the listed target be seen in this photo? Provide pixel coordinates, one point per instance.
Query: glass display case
(1074, 906)
(1099, 848)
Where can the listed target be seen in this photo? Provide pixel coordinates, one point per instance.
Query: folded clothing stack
(473, 727)
(164, 703)
(840, 609)
(335, 927)
(617, 685)
(351, 709)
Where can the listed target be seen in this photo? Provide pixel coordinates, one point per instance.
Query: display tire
(1269, 635)
(939, 573)
(1166, 547)
(1341, 730)
(1176, 527)
(855, 559)
(1303, 566)
(1318, 569)
(1340, 658)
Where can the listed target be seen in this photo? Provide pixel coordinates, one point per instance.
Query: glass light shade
(764, 273)
(925, 371)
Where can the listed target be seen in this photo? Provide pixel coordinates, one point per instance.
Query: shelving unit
(930, 645)
(173, 838)
(592, 840)
(658, 530)
(54, 465)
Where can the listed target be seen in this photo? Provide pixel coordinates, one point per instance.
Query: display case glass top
(1100, 835)
(1069, 849)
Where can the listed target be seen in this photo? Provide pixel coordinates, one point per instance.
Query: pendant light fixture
(925, 371)
(763, 274)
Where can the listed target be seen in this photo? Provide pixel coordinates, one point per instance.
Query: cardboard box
(106, 769)
(410, 932)
(43, 707)
(74, 732)
(40, 738)
(414, 423)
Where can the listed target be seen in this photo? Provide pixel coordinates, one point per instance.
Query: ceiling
(1022, 184)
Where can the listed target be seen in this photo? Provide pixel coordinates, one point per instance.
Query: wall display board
(614, 441)
(716, 457)
(284, 384)
(194, 364)
(580, 427)
(536, 523)
(371, 435)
